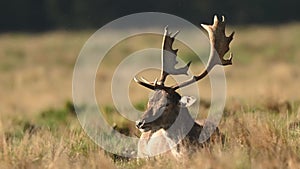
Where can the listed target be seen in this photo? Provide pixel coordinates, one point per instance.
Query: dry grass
(261, 119)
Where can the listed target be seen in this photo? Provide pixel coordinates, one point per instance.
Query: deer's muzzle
(139, 124)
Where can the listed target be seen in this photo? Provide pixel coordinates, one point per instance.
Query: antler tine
(144, 83)
(168, 55)
(219, 46)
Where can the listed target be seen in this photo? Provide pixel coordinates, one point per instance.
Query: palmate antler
(219, 46)
(219, 43)
(168, 55)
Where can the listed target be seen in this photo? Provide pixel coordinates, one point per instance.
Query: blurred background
(45, 15)
(40, 41)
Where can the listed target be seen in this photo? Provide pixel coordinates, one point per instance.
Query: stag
(166, 107)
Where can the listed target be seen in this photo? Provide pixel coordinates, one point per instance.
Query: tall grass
(254, 138)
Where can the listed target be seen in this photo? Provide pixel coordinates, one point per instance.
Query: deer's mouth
(146, 129)
(143, 126)
(140, 124)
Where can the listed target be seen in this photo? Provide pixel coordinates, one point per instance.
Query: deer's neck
(183, 128)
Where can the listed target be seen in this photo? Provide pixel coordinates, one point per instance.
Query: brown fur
(181, 138)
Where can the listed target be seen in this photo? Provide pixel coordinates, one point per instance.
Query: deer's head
(165, 104)
(162, 110)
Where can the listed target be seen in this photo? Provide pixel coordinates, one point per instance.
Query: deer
(166, 125)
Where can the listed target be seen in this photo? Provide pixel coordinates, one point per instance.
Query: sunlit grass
(258, 138)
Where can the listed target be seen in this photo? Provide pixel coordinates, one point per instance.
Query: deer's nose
(139, 123)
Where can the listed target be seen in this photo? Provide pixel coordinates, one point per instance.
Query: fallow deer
(167, 124)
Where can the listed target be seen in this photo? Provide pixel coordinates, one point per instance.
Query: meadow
(39, 128)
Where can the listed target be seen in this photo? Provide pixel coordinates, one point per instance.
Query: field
(39, 128)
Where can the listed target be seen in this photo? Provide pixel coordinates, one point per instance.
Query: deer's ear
(187, 101)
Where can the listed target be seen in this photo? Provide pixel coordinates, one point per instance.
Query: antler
(168, 55)
(219, 46)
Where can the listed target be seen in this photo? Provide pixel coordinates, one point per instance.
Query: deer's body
(162, 141)
(182, 137)
(167, 125)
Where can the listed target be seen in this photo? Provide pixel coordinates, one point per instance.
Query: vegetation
(74, 14)
(38, 127)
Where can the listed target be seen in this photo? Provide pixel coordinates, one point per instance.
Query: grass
(38, 127)
(254, 139)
